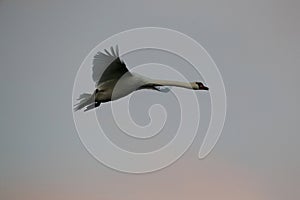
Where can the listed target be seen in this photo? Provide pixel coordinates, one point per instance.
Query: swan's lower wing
(156, 87)
(163, 89)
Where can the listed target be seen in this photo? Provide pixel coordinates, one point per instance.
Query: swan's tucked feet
(92, 106)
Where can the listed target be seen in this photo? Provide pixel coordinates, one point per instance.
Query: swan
(109, 71)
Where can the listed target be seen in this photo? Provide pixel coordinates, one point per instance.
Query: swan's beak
(201, 86)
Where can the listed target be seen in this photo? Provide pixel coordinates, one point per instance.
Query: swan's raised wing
(107, 66)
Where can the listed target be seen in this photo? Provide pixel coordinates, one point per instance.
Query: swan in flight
(110, 71)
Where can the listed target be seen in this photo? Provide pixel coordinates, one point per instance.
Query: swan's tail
(84, 100)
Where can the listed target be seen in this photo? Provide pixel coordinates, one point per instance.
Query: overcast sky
(256, 47)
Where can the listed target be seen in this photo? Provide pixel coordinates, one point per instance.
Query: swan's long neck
(188, 85)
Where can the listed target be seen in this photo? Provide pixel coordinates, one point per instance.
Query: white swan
(109, 71)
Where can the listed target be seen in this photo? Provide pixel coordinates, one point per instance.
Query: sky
(255, 45)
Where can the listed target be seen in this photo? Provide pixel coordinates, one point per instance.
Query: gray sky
(256, 47)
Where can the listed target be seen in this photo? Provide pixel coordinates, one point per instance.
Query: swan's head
(200, 86)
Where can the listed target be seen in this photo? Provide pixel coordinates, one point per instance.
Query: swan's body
(114, 81)
(115, 89)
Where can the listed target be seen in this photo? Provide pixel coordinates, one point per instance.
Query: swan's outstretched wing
(108, 65)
